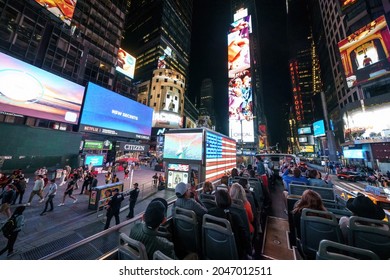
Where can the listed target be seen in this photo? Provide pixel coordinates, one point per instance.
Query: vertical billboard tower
(241, 127)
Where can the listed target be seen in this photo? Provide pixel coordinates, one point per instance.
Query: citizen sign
(129, 147)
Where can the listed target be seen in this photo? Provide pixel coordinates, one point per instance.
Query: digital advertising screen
(240, 82)
(63, 9)
(370, 123)
(319, 128)
(304, 130)
(187, 146)
(353, 153)
(95, 160)
(221, 153)
(365, 54)
(238, 46)
(125, 63)
(302, 139)
(109, 113)
(30, 91)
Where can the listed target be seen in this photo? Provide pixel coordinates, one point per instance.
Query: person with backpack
(12, 228)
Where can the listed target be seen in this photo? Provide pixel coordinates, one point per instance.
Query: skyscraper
(158, 34)
(207, 100)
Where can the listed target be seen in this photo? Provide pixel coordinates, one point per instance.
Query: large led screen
(109, 113)
(365, 54)
(63, 9)
(353, 153)
(186, 146)
(346, 3)
(238, 46)
(373, 122)
(220, 155)
(241, 126)
(125, 63)
(95, 160)
(319, 128)
(304, 130)
(29, 91)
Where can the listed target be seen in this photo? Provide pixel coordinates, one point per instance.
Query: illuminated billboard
(306, 149)
(241, 127)
(95, 160)
(319, 128)
(183, 146)
(63, 9)
(346, 3)
(370, 123)
(220, 155)
(125, 63)
(109, 113)
(29, 91)
(353, 153)
(304, 130)
(365, 54)
(167, 119)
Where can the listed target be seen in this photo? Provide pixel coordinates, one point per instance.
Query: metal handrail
(107, 231)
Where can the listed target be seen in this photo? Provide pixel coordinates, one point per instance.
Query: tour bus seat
(186, 232)
(207, 196)
(370, 234)
(327, 194)
(131, 249)
(330, 250)
(218, 239)
(315, 226)
(238, 208)
(208, 203)
(158, 255)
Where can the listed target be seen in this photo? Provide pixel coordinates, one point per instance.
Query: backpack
(9, 227)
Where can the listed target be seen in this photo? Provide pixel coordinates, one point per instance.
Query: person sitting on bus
(184, 200)
(309, 199)
(361, 206)
(315, 179)
(241, 236)
(296, 178)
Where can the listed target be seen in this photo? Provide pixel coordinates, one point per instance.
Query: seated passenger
(361, 206)
(207, 189)
(147, 231)
(309, 199)
(238, 192)
(315, 179)
(222, 210)
(296, 178)
(184, 200)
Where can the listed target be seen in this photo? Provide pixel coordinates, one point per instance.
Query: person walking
(37, 189)
(14, 226)
(113, 207)
(50, 194)
(20, 184)
(155, 178)
(6, 200)
(69, 192)
(133, 200)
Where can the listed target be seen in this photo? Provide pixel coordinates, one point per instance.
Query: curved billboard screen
(30, 91)
(109, 113)
(63, 9)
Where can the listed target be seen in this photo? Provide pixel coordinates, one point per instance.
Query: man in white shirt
(37, 189)
(50, 194)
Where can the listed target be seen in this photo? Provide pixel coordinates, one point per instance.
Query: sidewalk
(40, 233)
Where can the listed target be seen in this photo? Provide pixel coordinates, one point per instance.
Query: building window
(166, 80)
(171, 88)
(154, 104)
(176, 98)
(162, 87)
(168, 96)
(154, 87)
(158, 95)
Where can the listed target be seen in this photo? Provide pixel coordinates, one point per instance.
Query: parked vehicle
(348, 175)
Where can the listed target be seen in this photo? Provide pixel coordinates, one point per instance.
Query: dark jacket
(134, 195)
(115, 203)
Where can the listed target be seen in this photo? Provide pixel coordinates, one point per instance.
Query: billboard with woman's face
(365, 54)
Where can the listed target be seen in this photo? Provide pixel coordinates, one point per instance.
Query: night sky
(211, 20)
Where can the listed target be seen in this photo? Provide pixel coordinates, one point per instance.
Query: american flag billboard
(220, 155)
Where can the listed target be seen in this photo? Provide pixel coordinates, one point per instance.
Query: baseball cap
(181, 188)
(135, 184)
